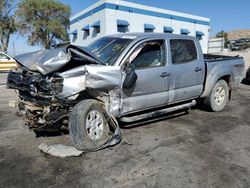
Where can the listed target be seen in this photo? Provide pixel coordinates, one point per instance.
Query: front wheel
(88, 126)
(218, 98)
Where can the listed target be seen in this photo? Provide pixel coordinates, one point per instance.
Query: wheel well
(227, 78)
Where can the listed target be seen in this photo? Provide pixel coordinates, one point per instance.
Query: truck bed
(218, 66)
(212, 58)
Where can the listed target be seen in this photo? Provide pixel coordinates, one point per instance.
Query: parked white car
(6, 62)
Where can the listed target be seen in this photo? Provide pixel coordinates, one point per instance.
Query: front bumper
(39, 109)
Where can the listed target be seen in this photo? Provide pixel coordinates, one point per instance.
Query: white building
(216, 45)
(113, 16)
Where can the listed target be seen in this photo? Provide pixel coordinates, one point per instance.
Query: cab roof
(140, 36)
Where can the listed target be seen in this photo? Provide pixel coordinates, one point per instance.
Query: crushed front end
(51, 83)
(37, 104)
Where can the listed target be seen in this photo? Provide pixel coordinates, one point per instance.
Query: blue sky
(224, 14)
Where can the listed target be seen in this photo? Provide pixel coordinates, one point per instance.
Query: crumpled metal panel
(44, 61)
(74, 81)
(90, 76)
(99, 76)
(52, 60)
(52, 64)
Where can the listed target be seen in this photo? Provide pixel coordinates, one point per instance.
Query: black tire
(212, 102)
(248, 75)
(77, 126)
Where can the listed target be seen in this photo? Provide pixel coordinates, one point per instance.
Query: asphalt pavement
(199, 149)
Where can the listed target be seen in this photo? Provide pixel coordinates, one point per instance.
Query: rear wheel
(218, 98)
(88, 126)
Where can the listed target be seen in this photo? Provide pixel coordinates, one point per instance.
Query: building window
(122, 29)
(96, 28)
(185, 31)
(74, 35)
(85, 31)
(149, 28)
(199, 34)
(122, 26)
(168, 29)
(85, 34)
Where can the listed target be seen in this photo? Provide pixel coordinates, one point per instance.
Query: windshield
(108, 49)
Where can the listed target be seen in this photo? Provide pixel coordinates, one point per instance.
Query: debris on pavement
(60, 150)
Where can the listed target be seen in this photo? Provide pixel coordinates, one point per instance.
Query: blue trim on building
(168, 29)
(122, 23)
(96, 24)
(185, 31)
(85, 28)
(137, 11)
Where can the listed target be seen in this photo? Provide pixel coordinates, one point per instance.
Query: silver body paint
(150, 90)
(44, 61)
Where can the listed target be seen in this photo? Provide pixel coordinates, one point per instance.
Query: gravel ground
(245, 54)
(200, 149)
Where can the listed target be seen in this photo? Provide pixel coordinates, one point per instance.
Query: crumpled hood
(51, 60)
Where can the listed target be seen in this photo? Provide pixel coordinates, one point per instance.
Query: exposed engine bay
(52, 82)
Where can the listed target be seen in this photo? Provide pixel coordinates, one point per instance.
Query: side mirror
(130, 79)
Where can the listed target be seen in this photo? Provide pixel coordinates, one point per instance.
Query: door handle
(165, 74)
(198, 69)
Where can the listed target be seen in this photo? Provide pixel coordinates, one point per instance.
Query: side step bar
(157, 112)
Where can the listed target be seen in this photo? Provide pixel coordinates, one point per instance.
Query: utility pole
(14, 49)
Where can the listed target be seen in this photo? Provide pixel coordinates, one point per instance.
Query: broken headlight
(57, 84)
(44, 84)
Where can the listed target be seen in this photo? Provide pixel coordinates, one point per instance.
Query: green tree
(8, 25)
(45, 22)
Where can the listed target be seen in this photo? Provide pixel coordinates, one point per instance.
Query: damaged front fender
(99, 77)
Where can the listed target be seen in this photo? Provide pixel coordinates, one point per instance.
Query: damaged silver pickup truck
(125, 77)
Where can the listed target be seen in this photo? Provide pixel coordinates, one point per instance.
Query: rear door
(187, 70)
(148, 60)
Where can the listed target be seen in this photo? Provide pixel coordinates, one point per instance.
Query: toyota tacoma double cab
(119, 78)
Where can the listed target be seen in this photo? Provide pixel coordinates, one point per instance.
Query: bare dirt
(238, 34)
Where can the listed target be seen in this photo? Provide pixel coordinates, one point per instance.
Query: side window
(183, 51)
(4, 57)
(149, 54)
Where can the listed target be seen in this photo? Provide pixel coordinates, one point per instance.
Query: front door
(149, 62)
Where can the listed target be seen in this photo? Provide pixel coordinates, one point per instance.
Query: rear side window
(183, 51)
